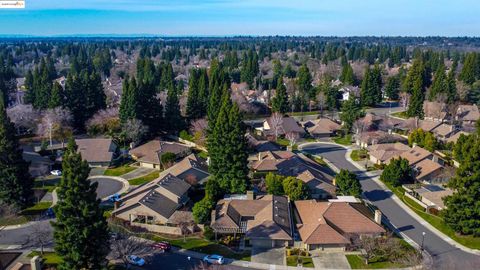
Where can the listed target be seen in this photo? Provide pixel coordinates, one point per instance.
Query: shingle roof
(426, 167)
(95, 150)
(150, 151)
(328, 222)
(468, 112)
(288, 125)
(386, 151)
(415, 155)
(321, 126)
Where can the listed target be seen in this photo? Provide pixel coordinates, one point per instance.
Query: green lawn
(345, 140)
(357, 262)
(47, 184)
(13, 221)
(144, 179)
(359, 154)
(306, 261)
(400, 115)
(50, 258)
(435, 221)
(285, 143)
(37, 208)
(121, 170)
(203, 154)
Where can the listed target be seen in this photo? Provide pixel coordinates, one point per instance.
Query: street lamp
(423, 239)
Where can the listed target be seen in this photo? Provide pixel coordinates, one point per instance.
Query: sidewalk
(410, 211)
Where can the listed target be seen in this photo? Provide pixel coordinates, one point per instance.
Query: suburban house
(444, 131)
(348, 91)
(265, 220)
(383, 153)
(435, 111)
(154, 203)
(453, 138)
(333, 226)
(322, 127)
(281, 126)
(365, 139)
(299, 166)
(423, 164)
(467, 114)
(97, 152)
(432, 196)
(190, 169)
(150, 154)
(260, 145)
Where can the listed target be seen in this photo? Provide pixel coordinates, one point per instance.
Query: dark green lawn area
(144, 179)
(357, 262)
(50, 258)
(117, 171)
(285, 143)
(13, 220)
(344, 140)
(359, 154)
(37, 209)
(400, 115)
(305, 261)
(46, 184)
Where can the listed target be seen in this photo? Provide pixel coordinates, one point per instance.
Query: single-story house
(155, 202)
(383, 153)
(260, 145)
(97, 152)
(427, 170)
(467, 114)
(453, 138)
(322, 127)
(266, 220)
(150, 154)
(416, 154)
(432, 196)
(377, 137)
(333, 226)
(281, 127)
(444, 131)
(190, 169)
(435, 111)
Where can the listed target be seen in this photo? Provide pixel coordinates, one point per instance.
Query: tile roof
(428, 125)
(152, 150)
(443, 130)
(288, 125)
(415, 155)
(332, 222)
(468, 112)
(266, 217)
(386, 151)
(426, 167)
(321, 126)
(436, 197)
(436, 110)
(95, 150)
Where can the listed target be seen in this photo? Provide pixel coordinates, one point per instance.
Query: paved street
(174, 261)
(445, 256)
(107, 186)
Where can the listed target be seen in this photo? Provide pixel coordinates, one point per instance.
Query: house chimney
(35, 263)
(378, 217)
(250, 195)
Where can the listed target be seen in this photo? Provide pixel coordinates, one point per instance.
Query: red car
(162, 245)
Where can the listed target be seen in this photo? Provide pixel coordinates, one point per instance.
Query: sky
(244, 17)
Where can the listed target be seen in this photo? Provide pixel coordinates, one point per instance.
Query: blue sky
(245, 17)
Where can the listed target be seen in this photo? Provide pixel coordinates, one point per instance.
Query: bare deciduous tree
(321, 99)
(276, 120)
(292, 138)
(199, 130)
(24, 116)
(104, 121)
(404, 99)
(41, 235)
(55, 124)
(127, 245)
(134, 130)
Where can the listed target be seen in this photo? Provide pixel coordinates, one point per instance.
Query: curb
(125, 183)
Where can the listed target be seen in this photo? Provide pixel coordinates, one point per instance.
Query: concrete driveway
(331, 260)
(274, 256)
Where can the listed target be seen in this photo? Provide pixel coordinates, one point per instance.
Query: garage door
(261, 243)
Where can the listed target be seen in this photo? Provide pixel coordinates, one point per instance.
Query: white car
(135, 260)
(56, 172)
(214, 259)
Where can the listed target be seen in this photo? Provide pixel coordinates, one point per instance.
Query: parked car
(214, 259)
(135, 260)
(114, 198)
(162, 245)
(56, 172)
(50, 213)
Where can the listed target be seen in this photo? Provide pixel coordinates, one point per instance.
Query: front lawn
(305, 261)
(285, 143)
(358, 155)
(46, 184)
(37, 209)
(49, 258)
(144, 179)
(402, 115)
(10, 221)
(357, 262)
(117, 171)
(344, 140)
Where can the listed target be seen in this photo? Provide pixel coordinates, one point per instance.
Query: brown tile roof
(95, 150)
(426, 167)
(435, 196)
(288, 125)
(428, 125)
(266, 217)
(328, 222)
(150, 151)
(379, 137)
(386, 151)
(415, 155)
(443, 130)
(436, 110)
(321, 126)
(468, 113)
(453, 138)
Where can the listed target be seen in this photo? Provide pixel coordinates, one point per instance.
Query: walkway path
(445, 254)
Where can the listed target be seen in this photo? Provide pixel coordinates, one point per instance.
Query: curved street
(444, 255)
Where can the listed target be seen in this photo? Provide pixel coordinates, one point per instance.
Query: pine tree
(371, 90)
(347, 77)
(280, 100)
(80, 231)
(173, 118)
(415, 107)
(128, 104)
(57, 96)
(304, 81)
(392, 87)
(470, 70)
(15, 182)
(440, 84)
(452, 87)
(350, 112)
(194, 102)
(238, 170)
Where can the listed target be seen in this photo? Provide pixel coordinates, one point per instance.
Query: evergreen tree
(351, 111)
(194, 101)
(347, 77)
(440, 83)
(250, 67)
(57, 97)
(397, 172)
(80, 231)
(471, 69)
(371, 92)
(274, 184)
(238, 150)
(304, 82)
(348, 183)
(452, 87)
(173, 118)
(219, 84)
(392, 87)
(15, 182)
(128, 103)
(280, 100)
(415, 107)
